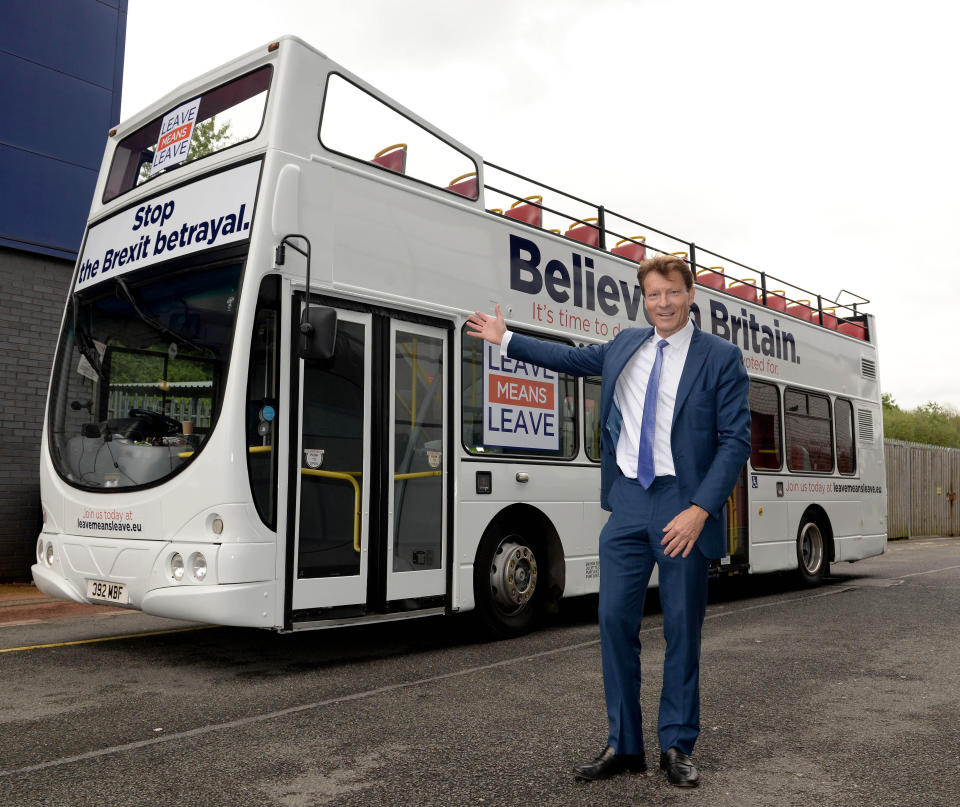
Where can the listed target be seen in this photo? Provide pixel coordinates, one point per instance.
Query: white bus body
(194, 466)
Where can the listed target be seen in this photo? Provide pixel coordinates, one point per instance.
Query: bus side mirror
(318, 332)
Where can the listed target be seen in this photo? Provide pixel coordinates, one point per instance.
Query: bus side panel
(772, 541)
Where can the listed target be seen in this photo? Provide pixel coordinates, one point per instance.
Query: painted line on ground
(929, 571)
(104, 639)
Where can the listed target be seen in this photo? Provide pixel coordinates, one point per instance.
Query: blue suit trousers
(629, 548)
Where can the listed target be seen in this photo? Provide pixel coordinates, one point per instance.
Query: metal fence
(175, 404)
(922, 485)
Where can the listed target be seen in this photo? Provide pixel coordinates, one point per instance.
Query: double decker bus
(265, 410)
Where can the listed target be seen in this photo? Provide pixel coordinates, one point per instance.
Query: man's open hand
(486, 327)
(683, 530)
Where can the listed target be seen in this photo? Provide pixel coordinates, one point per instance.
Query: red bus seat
(585, 233)
(712, 278)
(393, 158)
(801, 309)
(800, 459)
(744, 289)
(855, 329)
(829, 318)
(521, 210)
(777, 300)
(633, 249)
(465, 185)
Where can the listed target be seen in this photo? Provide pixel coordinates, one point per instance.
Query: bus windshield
(138, 380)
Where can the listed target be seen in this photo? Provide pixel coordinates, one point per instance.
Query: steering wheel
(156, 421)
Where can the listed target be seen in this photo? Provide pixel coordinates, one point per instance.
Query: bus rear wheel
(812, 560)
(506, 585)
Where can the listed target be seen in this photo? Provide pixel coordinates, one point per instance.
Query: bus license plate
(103, 590)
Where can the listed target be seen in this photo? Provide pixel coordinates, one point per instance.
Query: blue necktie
(645, 469)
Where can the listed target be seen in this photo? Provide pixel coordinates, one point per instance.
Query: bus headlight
(176, 567)
(198, 566)
(49, 553)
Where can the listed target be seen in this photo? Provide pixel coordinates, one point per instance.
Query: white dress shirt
(630, 391)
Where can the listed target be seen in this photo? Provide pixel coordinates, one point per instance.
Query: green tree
(209, 138)
(930, 423)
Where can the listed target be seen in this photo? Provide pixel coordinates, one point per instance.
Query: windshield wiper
(151, 320)
(84, 341)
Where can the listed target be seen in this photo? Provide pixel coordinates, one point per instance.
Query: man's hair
(664, 265)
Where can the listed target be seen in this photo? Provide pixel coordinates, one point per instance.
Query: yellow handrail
(356, 498)
(536, 196)
(390, 148)
(417, 475)
(252, 449)
(462, 176)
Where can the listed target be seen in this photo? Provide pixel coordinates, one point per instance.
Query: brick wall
(33, 289)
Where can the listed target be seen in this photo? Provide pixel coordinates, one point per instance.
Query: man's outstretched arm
(563, 358)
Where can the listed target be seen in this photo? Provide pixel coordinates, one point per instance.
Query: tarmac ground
(847, 694)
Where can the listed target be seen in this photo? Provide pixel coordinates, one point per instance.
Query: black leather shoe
(680, 768)
(610, 763)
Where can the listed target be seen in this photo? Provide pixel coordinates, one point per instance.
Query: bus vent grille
(868, 368)
(865, 418)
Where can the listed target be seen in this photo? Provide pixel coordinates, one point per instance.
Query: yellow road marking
(102, 639)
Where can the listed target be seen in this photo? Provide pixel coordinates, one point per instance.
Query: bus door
(333, 490)
(371, 526)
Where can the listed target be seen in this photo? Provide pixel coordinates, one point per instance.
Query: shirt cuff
(505, 342)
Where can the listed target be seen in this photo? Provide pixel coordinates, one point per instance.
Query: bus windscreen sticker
(520, 403)
(176, 134)
(214, 211)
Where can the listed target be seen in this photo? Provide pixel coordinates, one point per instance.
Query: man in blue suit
(675, 434)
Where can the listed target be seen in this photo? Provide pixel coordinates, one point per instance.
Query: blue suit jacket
(710, 435)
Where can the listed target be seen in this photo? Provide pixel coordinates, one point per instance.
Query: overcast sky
(816, 141)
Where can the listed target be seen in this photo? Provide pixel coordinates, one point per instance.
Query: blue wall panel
(73, 37)
(62, 68)
(53, 114)
(47, 203)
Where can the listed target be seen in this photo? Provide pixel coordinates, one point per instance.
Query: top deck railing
(594, 226)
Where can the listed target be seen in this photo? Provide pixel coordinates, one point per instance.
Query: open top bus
(265, 411)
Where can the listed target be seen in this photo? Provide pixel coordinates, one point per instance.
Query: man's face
(667, 301)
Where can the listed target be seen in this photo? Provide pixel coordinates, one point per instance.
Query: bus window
(591, 417)
(765, 448)
(561, 420)
(846, 453)
(418, 450)
(808, 432)
(262, 400)
(138, 382)
(358, 125)
(229, 114)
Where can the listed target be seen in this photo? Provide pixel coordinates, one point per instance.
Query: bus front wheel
(812, 560)
(506, 585)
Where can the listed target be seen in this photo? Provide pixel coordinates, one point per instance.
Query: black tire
(813, 562)
(506, 586)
